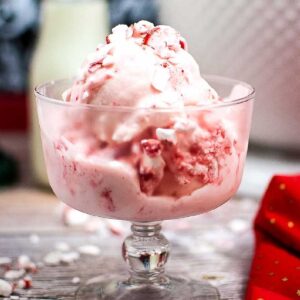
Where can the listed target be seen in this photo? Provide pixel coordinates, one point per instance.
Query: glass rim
(250, 96)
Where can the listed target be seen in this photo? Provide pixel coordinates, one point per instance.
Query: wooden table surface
(216, 246)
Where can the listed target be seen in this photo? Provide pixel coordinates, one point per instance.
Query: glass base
(106, 288)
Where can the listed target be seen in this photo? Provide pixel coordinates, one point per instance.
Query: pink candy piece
(25, 283)
(5, 288)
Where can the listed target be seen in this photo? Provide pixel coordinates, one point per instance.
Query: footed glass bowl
(145, 165)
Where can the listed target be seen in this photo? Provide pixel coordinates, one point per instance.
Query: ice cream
(139, 138)
(141, 66)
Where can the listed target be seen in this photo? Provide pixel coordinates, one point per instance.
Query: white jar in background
(257, 41)
(69, 30)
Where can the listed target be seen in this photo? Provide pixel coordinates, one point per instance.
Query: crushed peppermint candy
(168, 135)
(69, 257)
(34, 239)
(184, 125)
(4, 261)
(5, 288)
(151, 147)
(73, 217)
(89, 250)
(56, 258)
(93, 225)
(238, 225)
(24, 262)
(25, 283)
(62, 246)
(115, 227)
(14, 274)
(75, 280)
(152, 165)
(52, 258)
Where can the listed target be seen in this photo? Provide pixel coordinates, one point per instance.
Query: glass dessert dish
(145, 165)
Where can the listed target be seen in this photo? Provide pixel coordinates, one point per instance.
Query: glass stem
(146, 251)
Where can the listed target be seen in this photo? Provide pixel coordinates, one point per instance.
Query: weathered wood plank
(216, 246)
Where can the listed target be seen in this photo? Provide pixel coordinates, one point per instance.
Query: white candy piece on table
(5, 261)
(73, 217)
(55, 258)
(93, 225)
(238, 225)
(5, 288)
(14, 274)
(115, 227)
(89, 250)
(52, 258)
(24, 262)
(25, 283)
(75, 280)
(34, 239)
(69, 257)
(62, 246)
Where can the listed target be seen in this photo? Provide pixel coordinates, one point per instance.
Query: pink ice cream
(141, 66)
(143, 149)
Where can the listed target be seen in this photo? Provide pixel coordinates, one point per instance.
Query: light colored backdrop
(257, 41)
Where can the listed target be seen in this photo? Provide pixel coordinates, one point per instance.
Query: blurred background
(255, 41)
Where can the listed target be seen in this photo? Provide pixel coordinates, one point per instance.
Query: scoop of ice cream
(148, 69)
(141, 66)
